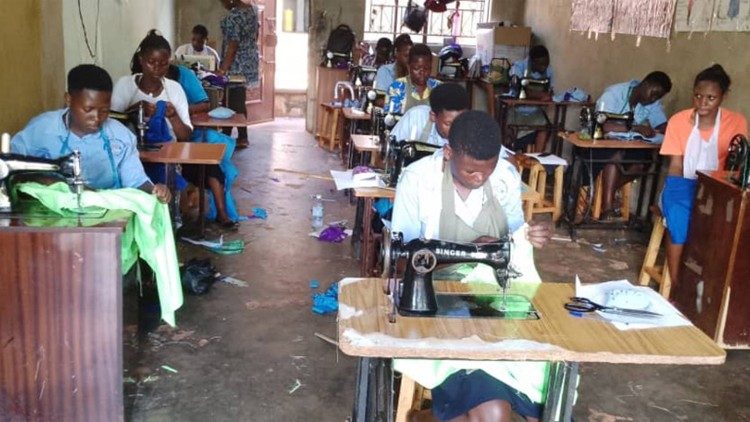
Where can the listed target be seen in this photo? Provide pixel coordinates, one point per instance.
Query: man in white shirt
(197, 46)
(466, 193)
(431, 124)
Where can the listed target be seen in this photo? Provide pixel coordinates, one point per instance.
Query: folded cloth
(152, 237)
(158, 129)
(575, 95)
(676, 205)
(221, 113)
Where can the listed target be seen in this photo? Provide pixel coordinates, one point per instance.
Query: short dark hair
(419, 50)
(476, 134)
(153, 41)
(200, 30)
(402, 41)
(384, 43)
(451, 97)
(89, 76)
(717, 74)
(538, 52)
(659, 78)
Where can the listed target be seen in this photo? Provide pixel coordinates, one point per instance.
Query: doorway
(291, 70)
(260, 98)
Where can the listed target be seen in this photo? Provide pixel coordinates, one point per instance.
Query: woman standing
(239, 51)
(696, 139)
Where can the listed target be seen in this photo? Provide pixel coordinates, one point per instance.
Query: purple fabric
(216, 80)
(333, 234)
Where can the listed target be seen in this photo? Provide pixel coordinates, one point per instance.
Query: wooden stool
(537, 181)
(596, 207)
(410, 397)
(330, 130)
(649, 270)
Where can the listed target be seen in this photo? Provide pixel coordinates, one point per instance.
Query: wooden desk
(716, 258)
(187, 153)
(203, 120)
(61, 318)
(363, 225)
(366, 143)
(554, 125)
(352, 119)
(558, 337)
(350, 114)
(582, 158)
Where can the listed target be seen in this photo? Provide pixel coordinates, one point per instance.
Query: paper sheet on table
(548, 160)
(597, 293)
(346, 180)
(633, 136)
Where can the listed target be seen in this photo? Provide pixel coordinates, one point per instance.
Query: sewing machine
(525, 82)
(399, 154)
(738, 160)
(415, 294)
(69, 167)
(593, 122)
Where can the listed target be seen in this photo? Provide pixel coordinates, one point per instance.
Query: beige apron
(491, 221)
(426, 131)
(701, 155)
(410, 100)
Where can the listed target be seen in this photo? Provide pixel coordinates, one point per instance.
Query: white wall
(122, 26)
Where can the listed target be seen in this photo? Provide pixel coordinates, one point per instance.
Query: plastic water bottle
(317, 212)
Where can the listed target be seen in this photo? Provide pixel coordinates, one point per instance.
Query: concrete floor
(250, 354)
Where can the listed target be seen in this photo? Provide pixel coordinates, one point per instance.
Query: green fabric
(151, 235)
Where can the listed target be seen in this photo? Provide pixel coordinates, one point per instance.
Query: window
(295, 15)
(383, 18)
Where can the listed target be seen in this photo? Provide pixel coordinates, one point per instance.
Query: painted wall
(594, 64)
(326, 15)
(121, 26)
(20, 81)
(189, 13)
(507, 10)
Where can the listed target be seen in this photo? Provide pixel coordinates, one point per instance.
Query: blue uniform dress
(109, 157)
(195, 95)
(385, 76)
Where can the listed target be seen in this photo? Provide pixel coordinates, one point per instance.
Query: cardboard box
(502, 41)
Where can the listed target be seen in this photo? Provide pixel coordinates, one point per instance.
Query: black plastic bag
(198, 275)
(415, 17)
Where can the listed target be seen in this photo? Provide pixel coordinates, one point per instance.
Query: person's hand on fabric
(485, 239)
(170, 111)
(645, 130)
(538, 233)
(162, 193)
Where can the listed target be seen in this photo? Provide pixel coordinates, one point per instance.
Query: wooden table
(61, 317)
(582, 157)
(172, 153)
(206, 121)
(363, 225)
(558, 337)
(351, 119)
(554, 125)
(365, 145)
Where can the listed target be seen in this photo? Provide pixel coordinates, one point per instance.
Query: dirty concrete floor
(250, 354)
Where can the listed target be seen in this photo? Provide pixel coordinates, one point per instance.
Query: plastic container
(317, 212)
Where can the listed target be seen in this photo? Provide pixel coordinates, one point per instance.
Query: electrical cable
(92, 52)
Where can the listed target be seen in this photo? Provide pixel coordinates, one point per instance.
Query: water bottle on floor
(317, 212)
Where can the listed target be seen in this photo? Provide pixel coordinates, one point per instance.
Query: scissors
(581, 304)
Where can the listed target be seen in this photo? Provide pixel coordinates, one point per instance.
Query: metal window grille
(383, 18)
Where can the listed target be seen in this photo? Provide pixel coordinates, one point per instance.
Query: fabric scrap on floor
(327, 302)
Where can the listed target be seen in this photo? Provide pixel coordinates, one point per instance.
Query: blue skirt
(464, 391)
(676, 204)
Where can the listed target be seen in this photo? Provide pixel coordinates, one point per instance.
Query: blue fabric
(677, 203)
(463, 391)
(221, 113)
(616, 99)
(397, 94)
(158, 129)
(46, 133)
(192, 86)
(383, 206)
(328, 302)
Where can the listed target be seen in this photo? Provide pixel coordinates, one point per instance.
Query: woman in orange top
(696, 139)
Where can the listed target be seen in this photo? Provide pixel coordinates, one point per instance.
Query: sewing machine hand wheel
(737, 152)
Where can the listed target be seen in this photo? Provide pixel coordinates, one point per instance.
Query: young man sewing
(197, 45)
(109, 158)
(536, 66)
(431, 124)
(414, 89)
(642, 98)
(466, 193)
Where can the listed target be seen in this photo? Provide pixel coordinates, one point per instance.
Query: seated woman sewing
(414, 89)
(696, 139)
(109, 158)
(535, 66)
(466, 193)
(643, 100)
(165, 103)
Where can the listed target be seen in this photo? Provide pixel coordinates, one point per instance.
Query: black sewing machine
(362, 75)
(67, 168)
(738, 161)
(592, 122)
(415, 294)
(526, 82)
(399, 154)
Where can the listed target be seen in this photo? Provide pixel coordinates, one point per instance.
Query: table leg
(201, 205)
(367, 244)
(171, 178)
(572, 187)
(373, 395)
(561, 392)
(357, 230)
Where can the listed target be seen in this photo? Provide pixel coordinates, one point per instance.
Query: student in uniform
(388, 73)
(431, 124)
(696, 139)
(197, 45)
(382, 55)
(643, 99)
(414, 89)
(466, 193)
(535, 66)
(109, 158)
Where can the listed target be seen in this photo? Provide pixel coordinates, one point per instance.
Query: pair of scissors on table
(581, 304)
